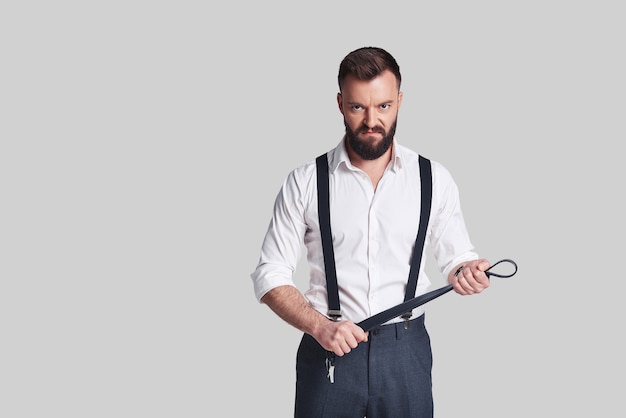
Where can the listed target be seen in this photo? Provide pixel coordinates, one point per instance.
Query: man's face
(370, 112)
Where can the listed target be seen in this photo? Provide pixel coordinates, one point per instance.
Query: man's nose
(370, 119)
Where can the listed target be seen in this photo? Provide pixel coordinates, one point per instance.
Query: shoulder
(305, 172)
(411, 159)
(301, 181)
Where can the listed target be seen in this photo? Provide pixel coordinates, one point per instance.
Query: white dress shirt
(373, 233)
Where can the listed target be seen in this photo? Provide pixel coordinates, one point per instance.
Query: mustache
(377, 129)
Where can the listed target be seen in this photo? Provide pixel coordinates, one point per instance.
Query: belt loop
(401, 330)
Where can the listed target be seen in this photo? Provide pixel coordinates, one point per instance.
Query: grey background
(143, 143)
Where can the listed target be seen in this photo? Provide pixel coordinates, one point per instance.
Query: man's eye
(385, 106)
(356, 107)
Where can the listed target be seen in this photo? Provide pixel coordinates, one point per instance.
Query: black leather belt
(396, 311)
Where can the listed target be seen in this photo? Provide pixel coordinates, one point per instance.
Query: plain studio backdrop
(143, 144)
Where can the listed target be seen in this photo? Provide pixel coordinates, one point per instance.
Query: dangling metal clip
(406, 316)
(330, 366)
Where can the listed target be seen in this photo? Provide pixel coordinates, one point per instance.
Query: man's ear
(340, 102)
(399, 99)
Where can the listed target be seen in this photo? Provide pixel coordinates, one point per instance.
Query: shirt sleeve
(283, 240)
(449, 238)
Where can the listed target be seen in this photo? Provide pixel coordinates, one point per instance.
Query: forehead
(381, 88)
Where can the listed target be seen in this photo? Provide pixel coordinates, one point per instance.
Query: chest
(389, 214)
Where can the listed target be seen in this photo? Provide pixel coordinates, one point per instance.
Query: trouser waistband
(397, 329)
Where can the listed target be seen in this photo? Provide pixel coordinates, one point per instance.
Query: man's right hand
(340, 337)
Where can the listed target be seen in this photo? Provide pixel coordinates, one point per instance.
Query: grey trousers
(387, 377)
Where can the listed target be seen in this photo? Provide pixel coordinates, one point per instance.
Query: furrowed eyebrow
(387, 102)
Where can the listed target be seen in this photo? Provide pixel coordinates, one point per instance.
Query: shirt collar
(339, 156)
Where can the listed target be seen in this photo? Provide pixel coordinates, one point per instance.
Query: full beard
(370, 150)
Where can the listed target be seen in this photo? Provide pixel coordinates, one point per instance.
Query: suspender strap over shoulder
(323, 207)
(418, 249)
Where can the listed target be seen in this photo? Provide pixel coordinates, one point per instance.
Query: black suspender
(418, 250)
(323, 209)
(323, 206)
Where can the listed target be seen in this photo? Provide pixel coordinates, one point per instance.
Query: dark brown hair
(367, 63)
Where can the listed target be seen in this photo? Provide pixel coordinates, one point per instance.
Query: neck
(373, 168)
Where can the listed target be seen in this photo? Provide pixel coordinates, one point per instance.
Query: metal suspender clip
(406, 316)
(334, 315)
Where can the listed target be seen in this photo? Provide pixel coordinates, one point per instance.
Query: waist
(397, 329)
